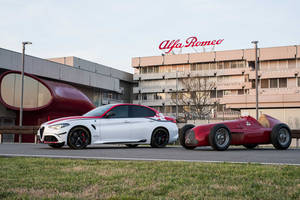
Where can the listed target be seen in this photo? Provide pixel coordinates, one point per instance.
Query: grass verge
(45, 178)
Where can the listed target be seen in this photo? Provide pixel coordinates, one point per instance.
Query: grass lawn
(45, 178)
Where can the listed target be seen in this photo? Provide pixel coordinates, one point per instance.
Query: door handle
(126, 121)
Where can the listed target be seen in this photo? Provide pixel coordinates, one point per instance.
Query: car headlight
(59, 126)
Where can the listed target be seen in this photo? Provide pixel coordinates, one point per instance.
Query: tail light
(170, 119)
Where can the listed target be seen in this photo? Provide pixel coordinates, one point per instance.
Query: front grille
(42, 131)
(190, 138)
(50, 139)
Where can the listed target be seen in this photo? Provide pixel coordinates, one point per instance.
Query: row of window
(163, 96)
(192, 67)
(274, 83)
(181, 109)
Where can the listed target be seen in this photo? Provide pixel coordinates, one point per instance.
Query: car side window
(140, 111)
(119, 112)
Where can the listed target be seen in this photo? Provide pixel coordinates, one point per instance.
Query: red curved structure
(65, 101)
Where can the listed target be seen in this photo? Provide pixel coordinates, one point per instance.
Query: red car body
(245, 131)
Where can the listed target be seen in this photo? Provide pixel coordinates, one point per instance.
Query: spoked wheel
(57, 145)
(220, 137)
(250, 146)
(281, 136)
(78, 138)
(160, 138)
(131, 145)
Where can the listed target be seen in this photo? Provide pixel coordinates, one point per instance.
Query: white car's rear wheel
(78, 138)
(160, 138)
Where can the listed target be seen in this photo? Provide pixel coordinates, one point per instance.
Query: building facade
(233, 73)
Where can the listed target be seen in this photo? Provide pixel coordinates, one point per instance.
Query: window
(291, 64)
(213, 94)
(144, 96)
(283, 82)
(213, 66)
(36, 94)
(173, 109)
(120, 112)
(240, 92)
(97, 112)
(140, 111)
(219, 93)
(193, 67)
(144, 70)
(220, 65)
(158, 96)
(264, 83)
(233, 65)
(273, 83)
(135, 97)
(226, 65)
(251, 64)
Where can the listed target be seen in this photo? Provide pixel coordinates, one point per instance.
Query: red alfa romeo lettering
(193, 41)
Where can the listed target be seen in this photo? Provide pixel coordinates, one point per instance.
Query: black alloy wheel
(160, 138)
(78, 138)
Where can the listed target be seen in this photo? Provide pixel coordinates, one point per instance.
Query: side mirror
(110, 114)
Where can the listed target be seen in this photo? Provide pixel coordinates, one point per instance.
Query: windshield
(97, 112)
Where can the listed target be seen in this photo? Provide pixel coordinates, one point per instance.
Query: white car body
(128, 130)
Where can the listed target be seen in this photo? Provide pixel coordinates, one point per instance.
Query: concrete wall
(88, 74)
(273, 53)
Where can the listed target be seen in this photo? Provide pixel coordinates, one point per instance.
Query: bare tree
(195, 97)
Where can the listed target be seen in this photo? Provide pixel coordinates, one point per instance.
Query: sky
(112, 32)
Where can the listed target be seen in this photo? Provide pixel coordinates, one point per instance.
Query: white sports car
(127, 124)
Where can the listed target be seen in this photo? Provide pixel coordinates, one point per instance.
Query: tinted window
(97, 112)
(120, 112)
(140, 111)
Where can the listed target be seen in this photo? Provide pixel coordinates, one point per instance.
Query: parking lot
(264, 155)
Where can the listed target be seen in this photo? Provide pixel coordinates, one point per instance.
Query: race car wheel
(160, 138)
(220, 137)
(182, 135)
(78, 138)
(57, 145)
(131, 145)
(281, 136)
(250, 146)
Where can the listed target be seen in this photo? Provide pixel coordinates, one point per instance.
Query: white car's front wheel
(78, 138)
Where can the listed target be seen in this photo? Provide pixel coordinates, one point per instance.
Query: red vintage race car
(245, 131)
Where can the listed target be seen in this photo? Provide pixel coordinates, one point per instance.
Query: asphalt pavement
(263, 155)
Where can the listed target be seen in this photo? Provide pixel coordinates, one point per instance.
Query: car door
(114, 127)
(141, 122)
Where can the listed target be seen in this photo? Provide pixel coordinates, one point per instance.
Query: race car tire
(250, 146)
(131, 145)
(281, 136)
(78, 138)
(182, 134)
(159, 138)
(219, 137)
(57, 145)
